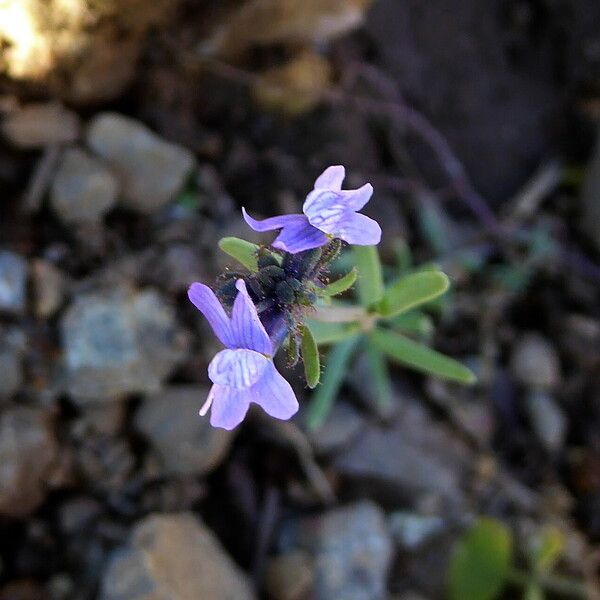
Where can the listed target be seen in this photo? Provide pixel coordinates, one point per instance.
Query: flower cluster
(266, 307)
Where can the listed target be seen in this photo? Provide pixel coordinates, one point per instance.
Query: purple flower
(244, 372)
(329, 212)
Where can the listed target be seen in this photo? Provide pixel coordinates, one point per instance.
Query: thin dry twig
(404, 116)
(40, 179)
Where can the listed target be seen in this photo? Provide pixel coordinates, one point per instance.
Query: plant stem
(551, 583)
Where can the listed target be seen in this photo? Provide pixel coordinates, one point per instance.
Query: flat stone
(118, 342)
(535, 362)
(173, 557)
(340, 428)
(547, 418)
(412, 530)
(28, 455)
(352, 552)
(12, 347)
(11, 372)
(49, 286)
(151, 170)
(183, 442)
(83, 190)
(39, 125)
(411, 460)
(13, 283)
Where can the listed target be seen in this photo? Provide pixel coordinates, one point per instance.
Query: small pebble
(13, 283)
(535, 362)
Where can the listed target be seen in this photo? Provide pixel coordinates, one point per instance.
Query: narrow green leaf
(419, 357)
(380, 377)
(481, 561)
(534, 592)
(403, 255)
(546, 548)
(244, 252)
(415, 322)
(411, 291)
(333, 375)
(370, 277)
(331, 333)
(341, 285)
(310, 357)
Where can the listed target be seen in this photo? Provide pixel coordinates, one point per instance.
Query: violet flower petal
(228, 406)
(247, 329)
(300, 236)
(274, 394)
(239, 369)
(272, 222)
(359, 230)
(325, 209)
(356, 199)
(204, 299)
(331, 178)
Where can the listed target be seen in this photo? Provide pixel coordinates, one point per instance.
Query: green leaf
(331, 333)
(403, 256)
(411, 291)
(546, 548)
(419, 357)
(244, 252)
(380, 377)
(310, 357)
(370, 277)
(481, 561)
(341, 285)
(415, 322)
(333, 375)
(534, 592)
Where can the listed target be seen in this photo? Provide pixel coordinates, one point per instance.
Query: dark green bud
(266, 258)
(308, 262)
(285, 293)
(274, 271)
(227, 292)
(294, 284)
(256, 288)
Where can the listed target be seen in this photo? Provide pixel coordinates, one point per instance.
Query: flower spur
(329, 212)
(244, 371)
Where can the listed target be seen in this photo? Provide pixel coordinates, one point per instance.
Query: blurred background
(132, 132)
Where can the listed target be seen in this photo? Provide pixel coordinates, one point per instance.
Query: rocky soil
(117, 179)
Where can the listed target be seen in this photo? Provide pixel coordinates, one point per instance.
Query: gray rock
(410, 461)
(11, 372)
(117, 342)
(104, 419)
(49, 285)
(183, 442)
(151, 169)
(28, 455)
(547, 418)
(411, 530)
(341, 427)
(12, 346)
(535, 363)
(173, 557)
(352, 551)
(13, 283)
(590, 198)
(83, 190)
(38, 125)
